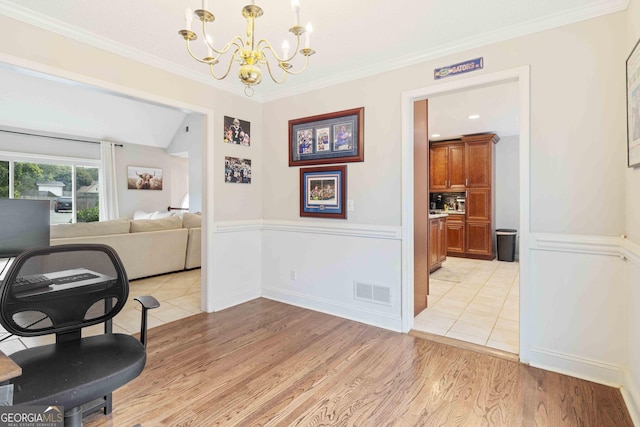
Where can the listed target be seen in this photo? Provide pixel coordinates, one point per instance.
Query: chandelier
(249, 54)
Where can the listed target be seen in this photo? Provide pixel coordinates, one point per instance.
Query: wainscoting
(580, 309)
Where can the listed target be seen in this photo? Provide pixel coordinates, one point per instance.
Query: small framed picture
(144, 178)
(237, 131)
(323, 192)
(237, 171)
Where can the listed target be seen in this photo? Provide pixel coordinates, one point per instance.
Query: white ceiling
(352, 38)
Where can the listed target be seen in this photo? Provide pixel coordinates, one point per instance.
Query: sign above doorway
(459, 68)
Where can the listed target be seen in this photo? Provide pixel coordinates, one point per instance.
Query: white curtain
(107, 182)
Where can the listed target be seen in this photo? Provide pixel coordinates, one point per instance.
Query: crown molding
(603, 7)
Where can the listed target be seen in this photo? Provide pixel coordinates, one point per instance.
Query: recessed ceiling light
(474, 116)
(435, 135)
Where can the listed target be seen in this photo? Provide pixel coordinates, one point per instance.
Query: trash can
(506, 244)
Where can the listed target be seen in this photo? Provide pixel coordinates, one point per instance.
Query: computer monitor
(24, 224)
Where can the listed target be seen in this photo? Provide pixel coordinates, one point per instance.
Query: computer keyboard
(27, 283)
(74, 278)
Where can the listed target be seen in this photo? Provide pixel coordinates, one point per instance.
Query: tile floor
(474, 301)
(178, 294)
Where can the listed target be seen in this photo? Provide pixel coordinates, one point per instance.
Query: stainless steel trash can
(506, 244)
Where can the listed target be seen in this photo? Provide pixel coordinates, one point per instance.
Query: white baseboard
(232, 300)
(331, 307)
(576, 366)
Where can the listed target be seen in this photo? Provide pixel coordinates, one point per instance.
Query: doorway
(521, 76)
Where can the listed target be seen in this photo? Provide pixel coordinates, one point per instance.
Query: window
(71, 188)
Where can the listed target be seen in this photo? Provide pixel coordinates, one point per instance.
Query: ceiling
(347, 37)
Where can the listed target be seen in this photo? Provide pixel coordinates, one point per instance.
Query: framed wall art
(144, 178)
(327, 138)
(237, 131)
(323, 192)
(237, 170)
(633, 107)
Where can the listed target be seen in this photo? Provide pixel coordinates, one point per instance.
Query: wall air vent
(372, 293)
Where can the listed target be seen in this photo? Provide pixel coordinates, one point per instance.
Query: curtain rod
(54, 137)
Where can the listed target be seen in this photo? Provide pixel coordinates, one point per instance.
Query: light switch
(349, 205)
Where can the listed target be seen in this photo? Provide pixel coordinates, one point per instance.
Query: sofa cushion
(191, 220)
(142, 225)
(82, 229)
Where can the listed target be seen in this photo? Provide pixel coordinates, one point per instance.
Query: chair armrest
(148, 302)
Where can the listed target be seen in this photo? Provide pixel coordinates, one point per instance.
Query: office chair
(61, 290)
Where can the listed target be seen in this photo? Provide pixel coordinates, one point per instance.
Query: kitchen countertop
(441, 213)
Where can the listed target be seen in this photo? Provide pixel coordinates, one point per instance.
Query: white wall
(507, 190)
(189, 143)
(631, 389)
(130, 201)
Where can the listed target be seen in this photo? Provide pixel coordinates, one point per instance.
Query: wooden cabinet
(479, 161)
(447, 166)
(455, 235)
(472, 234)
(479, 239)
(437, 242)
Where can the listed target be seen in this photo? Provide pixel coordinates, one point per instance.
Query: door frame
(521, 75)
(209, 169)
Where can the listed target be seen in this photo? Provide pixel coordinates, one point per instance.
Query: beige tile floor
(474, 301)
(178, 294)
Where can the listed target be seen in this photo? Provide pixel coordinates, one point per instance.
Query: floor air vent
(372, 293)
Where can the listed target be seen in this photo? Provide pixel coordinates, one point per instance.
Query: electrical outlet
(294, 275)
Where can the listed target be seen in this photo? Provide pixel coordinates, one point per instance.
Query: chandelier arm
(224, 76)
(236, 41)
(284, 74)
(273, 51)
(193, 55)
(304, 67)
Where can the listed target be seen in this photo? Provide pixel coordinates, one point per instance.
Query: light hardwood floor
(264, 363)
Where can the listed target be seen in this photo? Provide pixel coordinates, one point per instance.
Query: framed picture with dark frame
(633, 107)
(327, 138)
(323, 192)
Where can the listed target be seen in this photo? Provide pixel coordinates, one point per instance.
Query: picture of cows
(144, 178)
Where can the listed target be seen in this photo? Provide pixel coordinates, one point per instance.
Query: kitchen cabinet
(471, 235)
(447, 166)
(455, 234)
(437, 242)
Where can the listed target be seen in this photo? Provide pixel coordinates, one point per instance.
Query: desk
(8, 368)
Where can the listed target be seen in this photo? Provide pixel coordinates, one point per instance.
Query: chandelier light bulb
(204, 4)
(209, 44)
(285, 49)
(188, 17)
(307, 35)
(295, 5)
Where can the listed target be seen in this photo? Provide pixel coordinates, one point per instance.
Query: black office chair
(60, 290)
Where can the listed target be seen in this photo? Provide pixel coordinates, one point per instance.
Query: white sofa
(147, 247)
